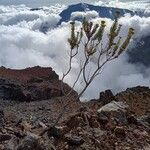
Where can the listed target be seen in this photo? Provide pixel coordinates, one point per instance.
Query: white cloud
(134, 5)
(88, 14)
(23, 45)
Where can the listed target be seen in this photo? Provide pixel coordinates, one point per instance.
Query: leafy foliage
(94, 33)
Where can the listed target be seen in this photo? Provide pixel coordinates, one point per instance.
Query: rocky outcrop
(106, 97)
(30, 84)
(31, 142)
(138, 99)
(115, 112)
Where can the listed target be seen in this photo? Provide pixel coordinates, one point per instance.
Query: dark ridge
(30, 84)
(141, 53)
(108, 12)
(36, 9)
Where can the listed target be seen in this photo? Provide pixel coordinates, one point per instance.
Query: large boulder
(30, 84)
(116, 111)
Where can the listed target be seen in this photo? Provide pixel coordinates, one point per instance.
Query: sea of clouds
(22, 44)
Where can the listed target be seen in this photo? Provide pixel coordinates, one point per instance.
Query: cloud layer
(22, 44)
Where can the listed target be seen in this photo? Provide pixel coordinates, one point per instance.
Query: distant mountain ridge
(104, 12)
(139, 54)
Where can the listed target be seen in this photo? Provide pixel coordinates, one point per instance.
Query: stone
(56, 132)
(115, 111)
(2, 147)
(75, 121)
(114, 106)
(12, 143)
(1, 114)
(19, 121)
(120, 131)
(1, 118)
(97, 132)
(103, 119)
(132, 120)
(94, 123)
(31, 142)
(41, 124)
(106, 97)
(41, 107)
(137, 98)
(5, 137)
(25, 126)
(74, 140)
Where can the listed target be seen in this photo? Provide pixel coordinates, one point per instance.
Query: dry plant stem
(96, 73)
(57, 120)
(69, 69)
(66, 105)
(93, 40)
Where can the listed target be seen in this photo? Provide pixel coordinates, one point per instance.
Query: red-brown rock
(36, 83)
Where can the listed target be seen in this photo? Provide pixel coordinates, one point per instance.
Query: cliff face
(30, 84)
(28, 74)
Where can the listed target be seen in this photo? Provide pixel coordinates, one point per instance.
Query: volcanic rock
(120, 131)
(116, 125)
(114, 110)
(106, 97)
(2, 147)
(103, 119)
(138, 99)
(132, 119)
(5, 137)
(74, 140)
(56, 132)
(30, 84)
(145, 121)
(12, 144)
(31, 142)
(80, 131)
(1, 118)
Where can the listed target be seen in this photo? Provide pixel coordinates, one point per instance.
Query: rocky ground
(120, 122)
